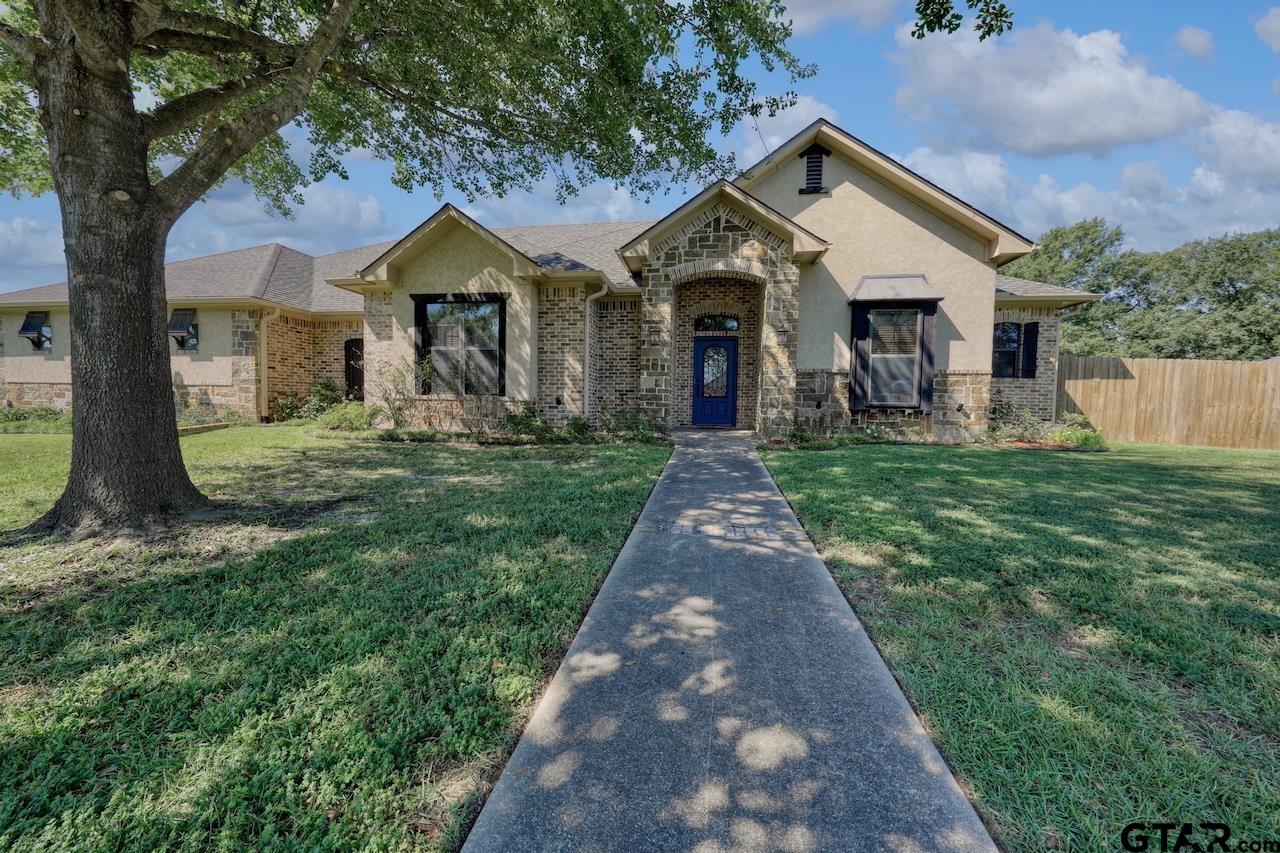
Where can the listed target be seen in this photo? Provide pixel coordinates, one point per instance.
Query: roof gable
(1003, 243)
(805, 245)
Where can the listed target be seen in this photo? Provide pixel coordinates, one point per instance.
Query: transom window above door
(716, 323)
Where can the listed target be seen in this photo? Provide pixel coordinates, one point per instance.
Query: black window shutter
(860, 360)
(927, 322)
(1030, 341)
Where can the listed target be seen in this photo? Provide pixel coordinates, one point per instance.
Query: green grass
(1093, 639)
(339, 659)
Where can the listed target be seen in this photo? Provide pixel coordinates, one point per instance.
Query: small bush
(347, 417)
(1009, 421)
(526, 421)
(321, 397)
(631, 425)
(201, 415)
(34, 419)
(577, 429)
(1078, 438)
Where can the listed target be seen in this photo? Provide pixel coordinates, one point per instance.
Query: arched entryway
(716, 372)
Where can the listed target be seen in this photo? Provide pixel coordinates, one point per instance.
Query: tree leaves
(1217, 298)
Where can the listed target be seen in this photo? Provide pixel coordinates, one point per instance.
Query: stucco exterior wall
(458, 262)
(876, 230)
(223, 373)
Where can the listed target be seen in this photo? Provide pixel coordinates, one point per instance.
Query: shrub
(525, 421)
(1078, 438)
(577, 428)
(632, 425)
(34, 419)
(200, 414)
(350, 416)
(323, 396)
(1008, 420)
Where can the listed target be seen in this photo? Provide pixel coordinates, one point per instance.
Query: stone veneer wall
(960, 400)
(562, 341)
(615, 361)
(721, 242)
(733, 297)
(1038, 395)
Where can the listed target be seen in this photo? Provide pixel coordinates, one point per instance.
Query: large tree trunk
(126, 464)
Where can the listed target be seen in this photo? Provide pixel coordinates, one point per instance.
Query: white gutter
(267, 316)
(586, 347)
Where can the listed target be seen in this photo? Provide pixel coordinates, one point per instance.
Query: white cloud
(1243, 146)
(1268, 28)
(598, 202)
(30, 253)
(979, 178)
(809, 16)
(1041, 92)
(767, 133)
(1195, 42)
(330, 218)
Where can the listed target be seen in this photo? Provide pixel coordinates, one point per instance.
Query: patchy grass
(338, 659)
(1093, 639)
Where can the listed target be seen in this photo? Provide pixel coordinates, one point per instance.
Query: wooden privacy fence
(1175, 401)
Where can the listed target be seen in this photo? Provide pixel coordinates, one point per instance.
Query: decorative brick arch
(749, 270)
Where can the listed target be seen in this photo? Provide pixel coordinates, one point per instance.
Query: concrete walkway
(721, 695)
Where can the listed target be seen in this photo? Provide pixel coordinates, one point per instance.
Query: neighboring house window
(1014, 350)
(184, 330)
(813, 156)
(715, 323)
(893, 355)
(36, 329)
(462, 342)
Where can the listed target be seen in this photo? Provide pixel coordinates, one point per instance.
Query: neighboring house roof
(1004, 244)
(1021, 290)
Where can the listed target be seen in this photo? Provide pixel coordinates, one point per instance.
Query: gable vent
(813, 156)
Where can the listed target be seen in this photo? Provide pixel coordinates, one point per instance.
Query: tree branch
(164, 41)
(176, 114)
(26, 47)
(237, 137)
(249, 39)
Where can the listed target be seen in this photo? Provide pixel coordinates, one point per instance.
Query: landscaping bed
(338, 656)
(1093, 639)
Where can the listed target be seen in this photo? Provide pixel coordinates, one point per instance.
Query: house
(829, 287)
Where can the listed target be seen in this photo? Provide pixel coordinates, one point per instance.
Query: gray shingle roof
(1020, 287)
(289, 277)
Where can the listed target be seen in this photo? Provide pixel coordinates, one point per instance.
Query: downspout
(267, 317)
(587, 364)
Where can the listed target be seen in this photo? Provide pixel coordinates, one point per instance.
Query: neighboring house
(829, 288)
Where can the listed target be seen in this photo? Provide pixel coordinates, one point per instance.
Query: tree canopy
(1216, 298)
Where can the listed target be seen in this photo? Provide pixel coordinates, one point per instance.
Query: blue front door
(715, 381)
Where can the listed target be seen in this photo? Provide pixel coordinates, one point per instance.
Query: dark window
(1014, 350)
(462, 342)
(1005, 348)
(813, 169)
(895, 357)
(715, 323)
(353, 367)
(184, 330)
(36, 328)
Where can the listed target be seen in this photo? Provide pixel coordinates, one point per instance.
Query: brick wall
(562, 336)
(735, 298)
(615, 360)
(1038, 395)
(329, 356)
(290, 365)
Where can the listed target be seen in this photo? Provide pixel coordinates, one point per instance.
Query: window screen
(895, 357)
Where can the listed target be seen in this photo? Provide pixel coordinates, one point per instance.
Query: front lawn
(1092, 639)
(337, 659)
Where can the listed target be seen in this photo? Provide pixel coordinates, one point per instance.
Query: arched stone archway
(723, 252)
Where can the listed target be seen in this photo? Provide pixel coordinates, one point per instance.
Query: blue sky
(1162, 117)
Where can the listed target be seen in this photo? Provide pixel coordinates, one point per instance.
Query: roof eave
(382, 268)
(1011, 300)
